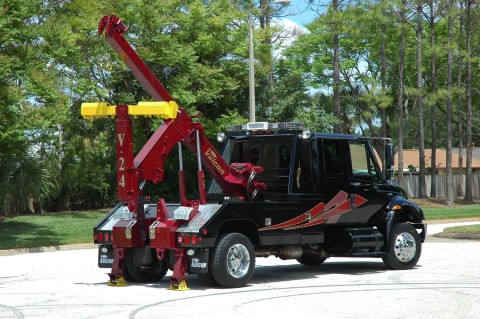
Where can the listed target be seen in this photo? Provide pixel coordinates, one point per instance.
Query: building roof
(411, 157)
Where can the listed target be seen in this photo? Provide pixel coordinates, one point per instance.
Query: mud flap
(105, 256)
(198, 263)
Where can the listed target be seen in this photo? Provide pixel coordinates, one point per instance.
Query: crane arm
(114, 30)
(179, 127)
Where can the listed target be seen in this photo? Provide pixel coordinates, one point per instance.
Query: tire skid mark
(68, 306)
(388, 286)
(15, 313)
(13, 279)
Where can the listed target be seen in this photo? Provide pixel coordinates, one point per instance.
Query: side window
(364, 166)
(284, 156)
(254, 155)
(269, 153)
(332, 158)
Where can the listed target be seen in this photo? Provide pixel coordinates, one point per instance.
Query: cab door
(332, 171)
(365, 180)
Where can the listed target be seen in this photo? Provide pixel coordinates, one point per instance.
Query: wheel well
(405, 216)
(245, 227)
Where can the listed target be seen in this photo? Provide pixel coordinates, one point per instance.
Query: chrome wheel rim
(238, 260)
(405, 247)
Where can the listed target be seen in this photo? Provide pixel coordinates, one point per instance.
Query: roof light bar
(257, 126)
(263, 126)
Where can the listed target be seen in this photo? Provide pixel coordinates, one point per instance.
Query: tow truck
(277, 190)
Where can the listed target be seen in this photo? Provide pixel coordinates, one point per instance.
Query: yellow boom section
(97, 109)
(165, 110)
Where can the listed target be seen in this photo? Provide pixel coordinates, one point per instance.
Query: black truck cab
(299, 166)
(325, 196)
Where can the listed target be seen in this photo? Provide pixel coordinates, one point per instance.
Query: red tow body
(162, 236)
(147, 165)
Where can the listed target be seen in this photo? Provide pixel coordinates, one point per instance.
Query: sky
(298, 13)
(295, 17)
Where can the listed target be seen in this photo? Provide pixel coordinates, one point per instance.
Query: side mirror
(389, 161)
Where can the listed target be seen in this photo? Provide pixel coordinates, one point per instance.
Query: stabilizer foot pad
(182, 286)
(119, 282)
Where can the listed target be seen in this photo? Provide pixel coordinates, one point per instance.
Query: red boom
(149, 162)
(178, 127)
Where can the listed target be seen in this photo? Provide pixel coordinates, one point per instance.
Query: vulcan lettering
(212, 157)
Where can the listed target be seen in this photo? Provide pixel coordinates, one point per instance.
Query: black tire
(309, 260)
(405, 247)
(135, 273)
(232, 260)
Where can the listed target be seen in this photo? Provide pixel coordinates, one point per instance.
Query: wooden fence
(411, 185)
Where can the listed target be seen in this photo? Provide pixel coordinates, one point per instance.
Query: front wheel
(405, 247)
(232, 260)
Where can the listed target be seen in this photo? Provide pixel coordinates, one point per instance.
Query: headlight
(221, 137)
(306, 134)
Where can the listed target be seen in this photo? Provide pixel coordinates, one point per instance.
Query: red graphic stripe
(299, 219)
(340, 209)
(321, 213)
(309, 224)
(317, 222)
(332, 216)
(331, 212)
(359, 200)
(340, 197)
(316, 210)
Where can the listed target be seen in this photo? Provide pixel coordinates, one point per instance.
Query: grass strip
(456, 212)
(468, 229)
(48, 229)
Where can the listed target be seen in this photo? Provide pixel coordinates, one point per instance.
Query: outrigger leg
(178, 281)
(118, 269)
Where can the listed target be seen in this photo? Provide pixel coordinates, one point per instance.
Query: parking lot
(68, 284)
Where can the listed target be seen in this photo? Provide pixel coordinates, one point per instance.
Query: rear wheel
(405, 247)
(155, 271)
(232, 260)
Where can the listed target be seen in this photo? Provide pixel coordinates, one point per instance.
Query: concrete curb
(455, 222)
(10, 252)
(449, 221)
(457, 236)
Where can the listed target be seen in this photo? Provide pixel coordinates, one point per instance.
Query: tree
(383, 75)
(433, 119)
(25, 180)
(421, 138)
(336, 66)
(449, 177)
(468, 34)
(459, 110)
(400, 106)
